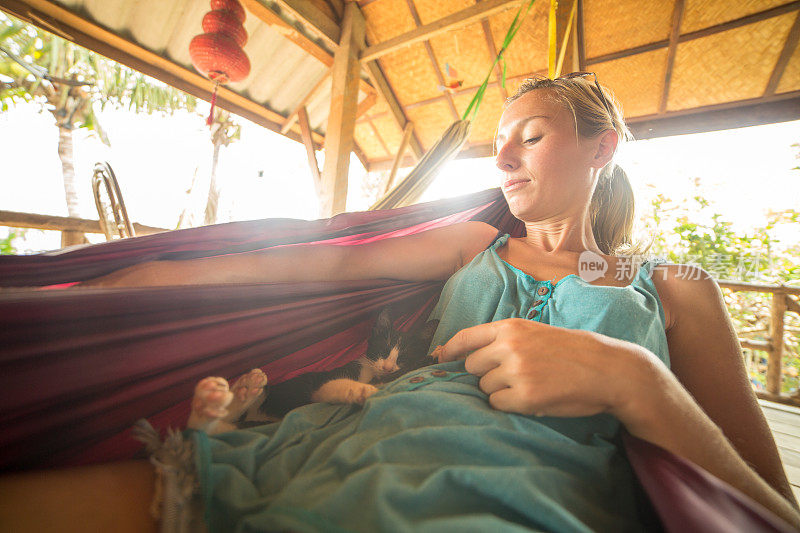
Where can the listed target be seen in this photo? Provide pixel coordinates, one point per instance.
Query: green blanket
(426, 453)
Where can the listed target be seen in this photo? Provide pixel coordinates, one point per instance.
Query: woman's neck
(572, 233)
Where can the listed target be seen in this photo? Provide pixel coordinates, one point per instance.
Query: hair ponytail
(612, 210)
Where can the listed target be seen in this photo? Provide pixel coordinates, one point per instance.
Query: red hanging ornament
(218, 52)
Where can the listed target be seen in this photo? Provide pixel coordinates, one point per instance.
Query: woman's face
(546, 167)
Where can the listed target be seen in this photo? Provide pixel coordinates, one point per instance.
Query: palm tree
(69, 81)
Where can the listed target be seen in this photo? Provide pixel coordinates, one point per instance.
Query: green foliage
(41, 67)
(689, 232)
(7, 243)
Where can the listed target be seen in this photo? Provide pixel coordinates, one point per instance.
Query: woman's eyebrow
(519, 122)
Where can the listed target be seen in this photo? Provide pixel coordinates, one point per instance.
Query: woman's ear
(606, 146)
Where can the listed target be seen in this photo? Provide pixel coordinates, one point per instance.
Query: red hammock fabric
(79, 366)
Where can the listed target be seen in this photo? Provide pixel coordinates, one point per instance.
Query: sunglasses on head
(596, 83)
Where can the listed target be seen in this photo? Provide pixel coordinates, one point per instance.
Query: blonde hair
(612, 205)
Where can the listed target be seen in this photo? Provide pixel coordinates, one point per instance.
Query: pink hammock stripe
(78, 367)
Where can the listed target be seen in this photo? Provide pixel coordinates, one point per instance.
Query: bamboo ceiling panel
(430, 121)
(367, 139)
(379, 108)
(485, 123)
(465, 51)
(727, 66)
(433, 10)
(527, 53)
(387, 19)
(790, 81)
(701, 14)
(411, 75)
(389, 132)
(614, 25)
(637, 81)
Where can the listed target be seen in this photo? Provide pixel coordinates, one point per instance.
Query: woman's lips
(514, 184)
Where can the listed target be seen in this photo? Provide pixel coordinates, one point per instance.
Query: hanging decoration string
(210, 119)
(472, 109)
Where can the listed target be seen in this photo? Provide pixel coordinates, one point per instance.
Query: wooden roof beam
(308, 141)
(788, 49)
(366, 104)
(677, 17)
(423, 33)
(268, 16)
(292, 118)
(314, 19)
(754, 112)
(337, 6)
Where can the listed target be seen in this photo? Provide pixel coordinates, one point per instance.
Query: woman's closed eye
(532, 140)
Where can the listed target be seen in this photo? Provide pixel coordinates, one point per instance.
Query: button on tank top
(489, 289)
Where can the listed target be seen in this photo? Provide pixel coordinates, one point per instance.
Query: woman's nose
(506, 159)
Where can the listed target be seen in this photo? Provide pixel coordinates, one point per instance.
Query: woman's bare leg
(107, 497)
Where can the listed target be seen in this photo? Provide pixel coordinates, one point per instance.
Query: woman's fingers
(468, 340)
(494, 380)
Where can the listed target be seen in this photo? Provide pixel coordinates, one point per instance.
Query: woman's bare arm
(713, 419)
(430, 255)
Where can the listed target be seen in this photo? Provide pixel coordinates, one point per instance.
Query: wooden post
(342, 116)
(399, 157)
(775, 362)
(308, 141)
(567, 37)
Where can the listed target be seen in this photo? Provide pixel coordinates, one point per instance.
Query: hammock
(80, 366)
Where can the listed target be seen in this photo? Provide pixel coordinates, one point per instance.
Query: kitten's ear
(429, 329)
(384, 320)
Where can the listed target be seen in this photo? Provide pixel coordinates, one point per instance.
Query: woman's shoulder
(476, 237)
(683, 289)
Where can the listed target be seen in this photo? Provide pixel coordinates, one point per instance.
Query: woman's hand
(536, 369)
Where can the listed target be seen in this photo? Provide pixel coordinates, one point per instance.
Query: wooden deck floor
(784, 421)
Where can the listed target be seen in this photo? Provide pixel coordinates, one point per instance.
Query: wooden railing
(15, 219)
(784, 299)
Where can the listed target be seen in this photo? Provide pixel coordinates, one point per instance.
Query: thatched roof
(677, 66)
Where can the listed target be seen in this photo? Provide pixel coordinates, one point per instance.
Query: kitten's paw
(359, 394)
(211, 399)
(246, 391)
(344, 391)
(249, 386)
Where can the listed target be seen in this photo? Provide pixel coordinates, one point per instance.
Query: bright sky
(744, 172)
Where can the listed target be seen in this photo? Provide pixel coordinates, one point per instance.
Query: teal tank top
(428, 453)
(489, 289)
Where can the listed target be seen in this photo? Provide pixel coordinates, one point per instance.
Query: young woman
(539, 368)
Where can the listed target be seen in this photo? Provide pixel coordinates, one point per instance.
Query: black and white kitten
(390, 353)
